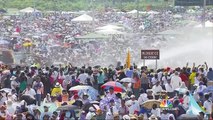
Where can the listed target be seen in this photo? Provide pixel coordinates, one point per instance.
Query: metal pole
(203, 14)
(144, 62)
(137, 8)
(156, 64)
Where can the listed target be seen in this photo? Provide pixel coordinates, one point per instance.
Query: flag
(128, 60)
(194, 108)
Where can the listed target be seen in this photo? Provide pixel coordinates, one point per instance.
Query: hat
(126, 117)
(91, 109)
(133, 116)
(153, 117)
(13, 78)
(57, 84)
(132, 96)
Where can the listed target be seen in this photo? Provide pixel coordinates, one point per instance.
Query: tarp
(194, 108)
(115, 27)
(29, 10)
(83, 18)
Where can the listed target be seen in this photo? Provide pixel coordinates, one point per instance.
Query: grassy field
(67, 5)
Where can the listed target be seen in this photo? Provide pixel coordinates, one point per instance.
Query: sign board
(150, 54)
(192, 2)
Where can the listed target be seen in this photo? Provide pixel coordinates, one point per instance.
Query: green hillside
(83, 4)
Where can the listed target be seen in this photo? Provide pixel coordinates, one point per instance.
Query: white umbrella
(7, 90)
(80, 87)
(128, 80)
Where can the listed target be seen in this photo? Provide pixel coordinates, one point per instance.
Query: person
(111, 110)
(85, 99)
(143, 97)
(192, 79)
(47, 99)
(100, 79)
(65, 95)
(46, 112)
(136, 85)
(83, 77)
(14, 83)
(30, 91)
(210, 75)
(90, 114)
(144, 81)
(176, 81)
(169, 89)
(123, 109)
(111, 94)
(186, 99)
(155, 110)
(57, 91)
(23, 82)
(134, 105)
(38, 87)
(207, 105)
(157, 88)
(165, 115)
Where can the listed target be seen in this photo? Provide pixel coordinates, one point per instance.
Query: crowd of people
(56, 32)
(31, 86)
(64, 91)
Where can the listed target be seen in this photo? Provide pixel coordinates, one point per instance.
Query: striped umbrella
(118, 87)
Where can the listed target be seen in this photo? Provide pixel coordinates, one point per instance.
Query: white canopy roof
(109, 27)
(29, 10)
(132, 12)
(83, 18)
(207, 24)
(109, 32)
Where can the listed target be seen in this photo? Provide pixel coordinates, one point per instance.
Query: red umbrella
(118, 87)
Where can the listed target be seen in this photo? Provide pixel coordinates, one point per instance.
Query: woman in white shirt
(207, 105)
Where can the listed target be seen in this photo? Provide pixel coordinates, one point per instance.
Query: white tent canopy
(109, 32)
(132, 12)
(29, 10)
(83, 18)
(207, 24)
(114, 27)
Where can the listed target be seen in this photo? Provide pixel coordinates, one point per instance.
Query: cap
(132, 96)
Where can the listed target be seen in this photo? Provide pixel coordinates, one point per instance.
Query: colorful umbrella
(92, 92)
(118, 87)
(52, 107)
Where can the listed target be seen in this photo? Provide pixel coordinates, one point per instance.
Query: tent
(83, 18)
(109, 32)
(207, 24)
(132, 12)
(109, 27)
(29, 10)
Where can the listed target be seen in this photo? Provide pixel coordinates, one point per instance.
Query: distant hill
(67, 5)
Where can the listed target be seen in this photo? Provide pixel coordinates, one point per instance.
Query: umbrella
(128, 80)
(109, 32)
(118, 87)
(149, 103)
(28, 98)
(4, 42)
(7, 90)
(52, 107)
(1, 63)
(208, 89)
(80, 87)
(182, 89)
(92, 92)
(188, 117)
(67, 107)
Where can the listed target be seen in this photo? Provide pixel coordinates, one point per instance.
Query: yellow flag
(128, 60)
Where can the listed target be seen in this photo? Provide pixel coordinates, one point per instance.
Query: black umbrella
(28, 99)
